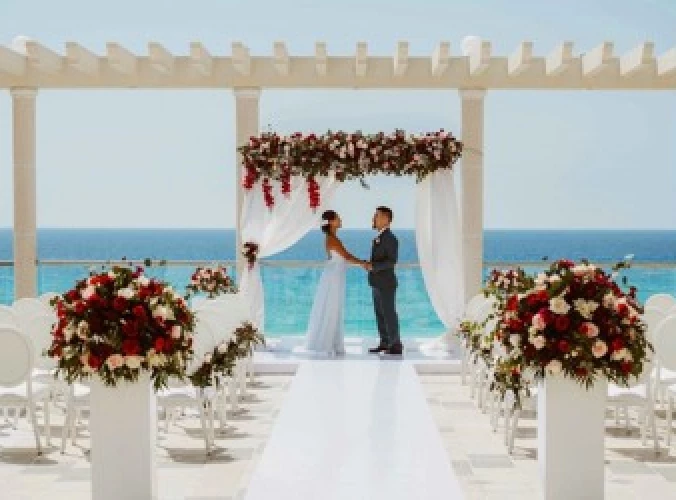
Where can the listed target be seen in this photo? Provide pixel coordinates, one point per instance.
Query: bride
(325, 328)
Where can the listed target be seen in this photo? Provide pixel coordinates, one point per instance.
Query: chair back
(483, 311)
(26, 309)
(39, 331)
(662, 301)
(652, 316)
(204, 339)
(665, 343)
(8, 316)
(231, 311)
(16, 357)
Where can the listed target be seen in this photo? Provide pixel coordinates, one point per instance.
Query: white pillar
(25, 220)
(472, 188)
(246, 125)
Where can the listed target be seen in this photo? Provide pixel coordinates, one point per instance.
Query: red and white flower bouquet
(212, 281)
(119, 323)
(575, 320)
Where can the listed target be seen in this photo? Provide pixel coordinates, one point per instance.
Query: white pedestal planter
(123, 426)
(571, 428)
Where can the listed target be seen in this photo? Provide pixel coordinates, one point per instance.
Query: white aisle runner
(354, 430)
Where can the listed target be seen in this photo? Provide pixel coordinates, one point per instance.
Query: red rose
(543, 295)
(130, 329)
(119, 304)
(625, 367)
(616, 344)
(94, 361)
(563, 345)
(130, 347)
(79, 307)
(159, 344)
(56, 351)
(143, 293)
(529, 351)
(139, 311)
(512, 303)
(515, 324)
(533, 299)
(72, 295)
(622, 309)
(528, 317)
(561, 323)
(547, 315)
(168, 346)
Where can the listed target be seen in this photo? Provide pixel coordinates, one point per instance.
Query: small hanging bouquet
(212, 281)
(250, 253)
(117, 324)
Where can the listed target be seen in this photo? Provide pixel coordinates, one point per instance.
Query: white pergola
(28, 66)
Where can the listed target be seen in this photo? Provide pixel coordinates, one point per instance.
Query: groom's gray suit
(383, 281)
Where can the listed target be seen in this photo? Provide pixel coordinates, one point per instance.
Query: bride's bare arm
(337, 245)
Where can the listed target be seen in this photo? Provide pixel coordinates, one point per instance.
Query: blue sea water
(289, 290)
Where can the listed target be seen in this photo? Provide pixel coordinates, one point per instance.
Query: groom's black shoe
(395, 350)
(376, 350)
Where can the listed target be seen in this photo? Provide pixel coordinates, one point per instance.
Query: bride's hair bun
(328, 216)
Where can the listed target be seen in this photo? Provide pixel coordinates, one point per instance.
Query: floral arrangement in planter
(213, 281)
(250, 253)
(247, 337)
(504, 282)
(274, 158)
(575, 321)
(119, 323)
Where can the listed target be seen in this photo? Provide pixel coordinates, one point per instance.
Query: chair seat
(618, 393)
(667, 377)
(19, 393)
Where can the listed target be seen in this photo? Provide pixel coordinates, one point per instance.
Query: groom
(383, 281)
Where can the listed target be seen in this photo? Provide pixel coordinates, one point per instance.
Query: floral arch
(289, 180)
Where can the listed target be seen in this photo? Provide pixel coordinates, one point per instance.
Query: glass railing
(290, 287)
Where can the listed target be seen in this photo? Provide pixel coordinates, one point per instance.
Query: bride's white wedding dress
(325, 329)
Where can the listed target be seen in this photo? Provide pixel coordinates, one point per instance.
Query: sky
(166, 158)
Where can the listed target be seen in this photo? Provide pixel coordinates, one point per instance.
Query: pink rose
(539, 322)
(599, 349)
(538, 342)
(115, 361)
(589, 329)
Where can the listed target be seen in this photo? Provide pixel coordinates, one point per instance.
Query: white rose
(515, 339)
(585, 307)
(223, 347)
(207, 357)
(155, 359)
(609, 301)
(554, 278)
(125, 293)
(143, 281)
(541, 279)
(88, 292)
(115, 361)
(622, 355)
(133, 362)
(554, 367)
(558, 305)
(68, 332)
(176, 332)
(538, 342)
(83, 329)
(599, 349)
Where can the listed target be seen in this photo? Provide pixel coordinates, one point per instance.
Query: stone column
(246, 124)
(472, 188)
(25, 220)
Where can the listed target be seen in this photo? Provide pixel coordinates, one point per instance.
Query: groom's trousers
(384, 303)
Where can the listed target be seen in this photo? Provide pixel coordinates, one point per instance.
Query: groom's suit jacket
(384, 255)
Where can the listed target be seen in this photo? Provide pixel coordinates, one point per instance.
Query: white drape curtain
(276, 230)
(438, 238)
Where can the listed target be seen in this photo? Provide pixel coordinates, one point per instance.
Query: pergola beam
(597, 59)
(440, 58)
(160, 58)
(200, 59)
(639, 58)
(559, 60)
(666, 63)
(29, 64)
(521, 59)
(401, 58)
(321, 59)
(361, 59)
(11, 62)
(43, 58)
(81, 59)
(281, 58)
(120, 59)
(241, 60)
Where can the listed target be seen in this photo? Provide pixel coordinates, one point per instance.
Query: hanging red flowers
(267, 194)
(250, 253)
(286, 180)
(313, 193)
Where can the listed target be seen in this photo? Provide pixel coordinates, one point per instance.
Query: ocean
(289, 290)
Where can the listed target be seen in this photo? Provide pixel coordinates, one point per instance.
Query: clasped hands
(366, 265)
